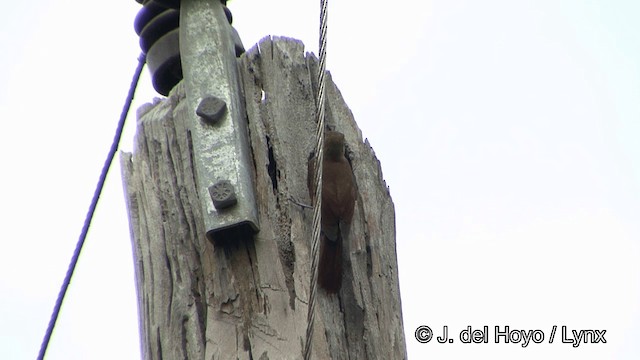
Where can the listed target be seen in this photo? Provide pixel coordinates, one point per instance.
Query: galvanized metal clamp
(206, 53)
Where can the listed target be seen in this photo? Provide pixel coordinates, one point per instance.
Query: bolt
(223, 194)
(211, 109)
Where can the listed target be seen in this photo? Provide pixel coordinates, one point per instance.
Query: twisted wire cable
(317, 205)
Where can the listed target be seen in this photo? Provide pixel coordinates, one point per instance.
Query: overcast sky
(508, 132)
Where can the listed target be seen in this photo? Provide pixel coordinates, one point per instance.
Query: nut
(223, 194)
(211, 109)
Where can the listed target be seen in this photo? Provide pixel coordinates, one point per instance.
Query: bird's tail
(330, 264)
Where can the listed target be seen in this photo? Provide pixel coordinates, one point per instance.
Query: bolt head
(223, 194)
(211, 109)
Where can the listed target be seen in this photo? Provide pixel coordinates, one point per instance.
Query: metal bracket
(222, 153)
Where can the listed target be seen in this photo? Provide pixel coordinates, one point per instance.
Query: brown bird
(338, 202)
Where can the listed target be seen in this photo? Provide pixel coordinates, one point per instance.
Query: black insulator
(227, 12)
(158, 26)
(164, 64)
(173, 4)
(159, 39)
(158, 23)
(237, 42)
(148, 12)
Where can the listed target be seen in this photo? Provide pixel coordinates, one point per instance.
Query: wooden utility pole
(246, 297)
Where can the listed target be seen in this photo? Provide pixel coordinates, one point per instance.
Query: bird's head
(333, 144)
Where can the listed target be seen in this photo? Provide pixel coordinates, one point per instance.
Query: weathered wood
(248, 299)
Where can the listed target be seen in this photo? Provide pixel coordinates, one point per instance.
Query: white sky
(507, 131)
